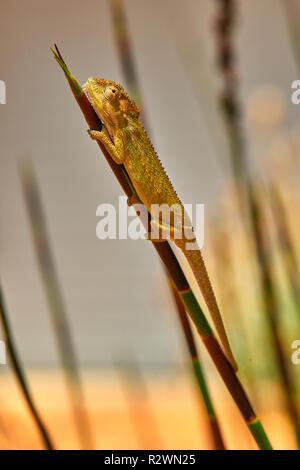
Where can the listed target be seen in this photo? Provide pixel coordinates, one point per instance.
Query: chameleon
(128, 144)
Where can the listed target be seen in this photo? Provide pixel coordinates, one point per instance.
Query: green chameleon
(125, 139)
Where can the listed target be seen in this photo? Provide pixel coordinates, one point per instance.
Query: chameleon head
(110, 101)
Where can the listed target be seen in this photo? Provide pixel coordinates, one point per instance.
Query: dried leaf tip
(75, 87)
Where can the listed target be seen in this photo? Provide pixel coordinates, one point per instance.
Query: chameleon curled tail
(196, 263)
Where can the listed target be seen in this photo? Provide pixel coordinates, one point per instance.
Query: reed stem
(198, 371)
(286, 243)
(245, 193)
(20, 375)
(225, 369)
(271, 307)
(292, 12)
(122, 37)
(56, 304)
(173, 268)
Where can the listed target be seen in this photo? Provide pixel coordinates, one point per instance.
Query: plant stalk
(173, 268)
(213, 421)
(56, 304)
(20, 375)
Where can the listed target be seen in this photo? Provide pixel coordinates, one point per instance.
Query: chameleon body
(125, 138)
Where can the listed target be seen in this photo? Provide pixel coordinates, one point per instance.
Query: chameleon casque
(125, 139)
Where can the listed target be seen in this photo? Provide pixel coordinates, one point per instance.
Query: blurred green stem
(198, 371)
(225, 369)
(122, 37)
(20, 375)
(248, 203)
(56, 304)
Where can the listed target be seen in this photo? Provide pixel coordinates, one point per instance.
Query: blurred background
(207, 92)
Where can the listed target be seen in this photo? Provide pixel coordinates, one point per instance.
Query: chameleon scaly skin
(126, 141)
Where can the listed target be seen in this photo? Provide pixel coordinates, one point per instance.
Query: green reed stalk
(213, 421)
(122, 37)
(124, 48)
(225, 369)
(271, 306)
(286, 244)
(292, 12)
(172, 266)
(20, 375)
(56, 304)
(222, 250)
(248, 204)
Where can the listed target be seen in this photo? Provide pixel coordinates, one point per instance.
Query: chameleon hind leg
(115, 150)
(134, 197)
(159, 229)
(170, 225)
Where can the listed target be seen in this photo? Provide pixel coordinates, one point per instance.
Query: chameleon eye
(111, 92)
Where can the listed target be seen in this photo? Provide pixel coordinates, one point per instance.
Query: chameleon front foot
(115, 149)
(94, 135)
(156, 234)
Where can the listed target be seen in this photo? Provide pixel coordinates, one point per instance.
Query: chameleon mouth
(90, 87)
(86, 91)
